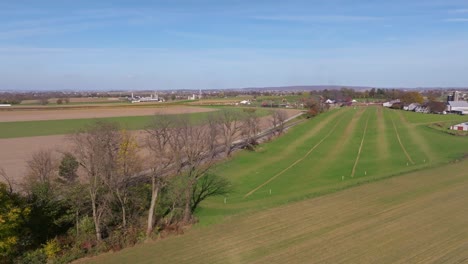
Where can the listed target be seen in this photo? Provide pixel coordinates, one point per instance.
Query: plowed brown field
(58, 114)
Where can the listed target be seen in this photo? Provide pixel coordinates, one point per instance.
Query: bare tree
(231, 124)
(96, 149)
(250, 126)
(215, 129)
(4, 175)
(128, 164)
(278, 120)
(42, 167)
(197, 159)
(41, 174)
(163, 154)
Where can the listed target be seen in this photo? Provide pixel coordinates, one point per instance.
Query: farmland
(397, 220)
(38, 114)
(23, 138)
(57, 122)
(323, 155)
(292, 201)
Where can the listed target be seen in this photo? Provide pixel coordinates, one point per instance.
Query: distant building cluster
(152, 98)
(454, 104)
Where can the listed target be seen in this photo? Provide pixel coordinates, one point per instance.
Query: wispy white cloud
(456, 19)
(327, 18)
(73, 22)
(461, 10)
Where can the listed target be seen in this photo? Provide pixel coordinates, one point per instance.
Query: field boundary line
(360, 147)
(401, 143)
(296, 162)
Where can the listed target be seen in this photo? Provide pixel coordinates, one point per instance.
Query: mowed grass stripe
(295, 162)
(382, 142)
(417, 138)
(321, 171)
(349, 226)
(333, 164)
(257, 160)
(401, 143)
(360, 147)
(316, 170)
(375, 152)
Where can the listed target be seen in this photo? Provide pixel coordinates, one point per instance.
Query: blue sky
(227, 44)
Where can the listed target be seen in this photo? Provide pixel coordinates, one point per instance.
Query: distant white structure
(329, 101)
(460, 127)
(460, 107)
(152, 98)
(5, 105)
(390, 103)
(195, 97)
(245, 102)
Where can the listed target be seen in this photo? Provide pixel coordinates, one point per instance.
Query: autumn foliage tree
(411, 97)
(12, 218)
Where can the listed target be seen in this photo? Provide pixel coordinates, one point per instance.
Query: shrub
(37, 256)
(51, 248)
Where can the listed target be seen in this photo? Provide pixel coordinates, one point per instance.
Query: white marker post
(270, 191)
(342, 178)
(224, 200)
(365, 172)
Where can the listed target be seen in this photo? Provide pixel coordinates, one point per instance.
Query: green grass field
(67, 126)
(343, 148)
(319, 156)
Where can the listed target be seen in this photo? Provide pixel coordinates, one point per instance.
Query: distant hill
(305, 88)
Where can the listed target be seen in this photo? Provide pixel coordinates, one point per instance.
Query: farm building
(389, 104)
(460, 107)
(460, 127)
(413, 106)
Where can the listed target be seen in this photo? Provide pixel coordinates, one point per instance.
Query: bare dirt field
(55, 114)
(14, 152)
(76, 100)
